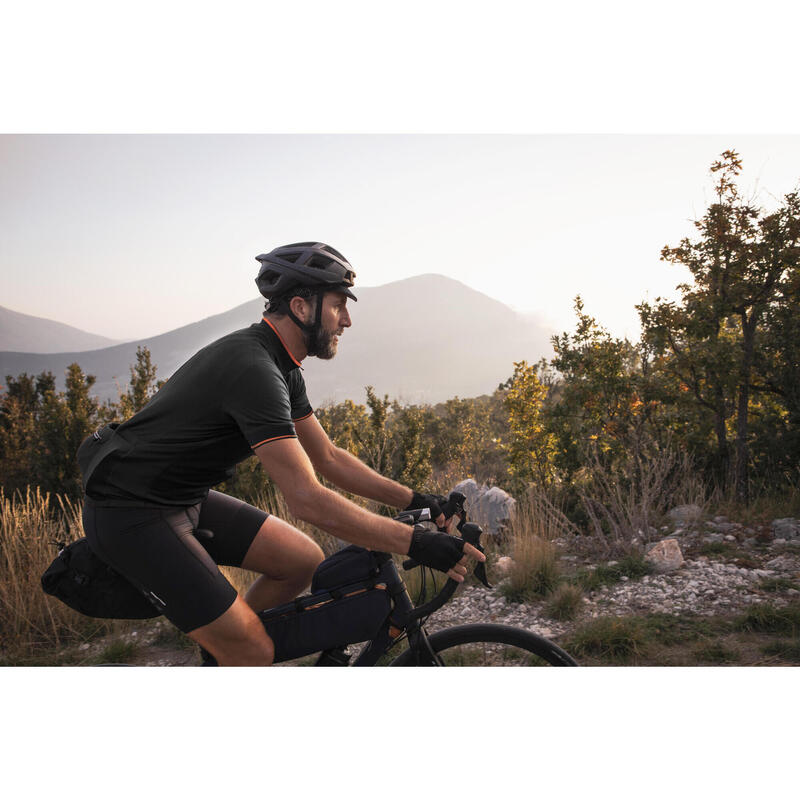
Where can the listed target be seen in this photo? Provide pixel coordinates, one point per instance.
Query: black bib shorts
(157, 551)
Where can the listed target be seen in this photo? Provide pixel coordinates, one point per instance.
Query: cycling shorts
(156, 550)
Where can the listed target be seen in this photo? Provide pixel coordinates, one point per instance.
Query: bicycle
(475, 644)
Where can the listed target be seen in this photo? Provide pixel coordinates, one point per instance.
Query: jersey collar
(288, 361)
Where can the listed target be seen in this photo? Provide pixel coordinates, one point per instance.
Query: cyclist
(149, 506)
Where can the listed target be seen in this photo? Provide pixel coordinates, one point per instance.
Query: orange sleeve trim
(273, 439)
(282, 342)
(297, 419)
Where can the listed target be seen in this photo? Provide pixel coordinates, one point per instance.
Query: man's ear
(302, 308)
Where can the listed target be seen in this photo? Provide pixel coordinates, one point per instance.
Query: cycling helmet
(311, 264)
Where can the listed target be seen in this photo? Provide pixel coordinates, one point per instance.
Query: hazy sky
(129, 236)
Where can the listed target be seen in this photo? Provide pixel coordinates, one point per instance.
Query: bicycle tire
(482, 644)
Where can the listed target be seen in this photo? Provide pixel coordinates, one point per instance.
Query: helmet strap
(311, 329)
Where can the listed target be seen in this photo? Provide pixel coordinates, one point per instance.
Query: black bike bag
(82, 580)
(349, 603)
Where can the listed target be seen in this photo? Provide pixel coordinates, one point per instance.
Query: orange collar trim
(282, 342)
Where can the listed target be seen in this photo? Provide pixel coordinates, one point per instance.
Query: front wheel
(486, 645)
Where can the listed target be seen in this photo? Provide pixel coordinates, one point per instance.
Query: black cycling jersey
(238, 392)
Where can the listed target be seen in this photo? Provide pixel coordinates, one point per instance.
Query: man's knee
(237, 638)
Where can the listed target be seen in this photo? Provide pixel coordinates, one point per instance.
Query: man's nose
(345, 321)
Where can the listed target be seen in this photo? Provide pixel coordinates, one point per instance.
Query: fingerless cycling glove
(434, 502)
(438, 550)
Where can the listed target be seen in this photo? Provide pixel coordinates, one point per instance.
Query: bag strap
(115, 442)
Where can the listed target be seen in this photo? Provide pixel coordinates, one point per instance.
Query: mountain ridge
(42, 335)
(403, 342)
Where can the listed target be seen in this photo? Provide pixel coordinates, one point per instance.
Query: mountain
(422, 339)
(39, 335)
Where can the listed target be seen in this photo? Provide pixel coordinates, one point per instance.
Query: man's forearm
(341, 518)
(354, 476)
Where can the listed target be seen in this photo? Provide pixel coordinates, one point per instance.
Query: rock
(713, 538)
(685, 514)
(727, 526)
(665, 556)
(720, 519)
(504, 564)
(491, 507)
(787, 528)
(729, 537)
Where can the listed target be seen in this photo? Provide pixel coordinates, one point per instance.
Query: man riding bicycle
(149, 505)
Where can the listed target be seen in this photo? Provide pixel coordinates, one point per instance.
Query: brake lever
(471, 533)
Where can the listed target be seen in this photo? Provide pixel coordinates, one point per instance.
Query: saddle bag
(349, 602)
(82, 580)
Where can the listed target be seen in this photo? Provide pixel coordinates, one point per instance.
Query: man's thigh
(247, 537)
(280, 551)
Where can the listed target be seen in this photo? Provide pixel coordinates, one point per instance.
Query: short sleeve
(259, 402)
(301, 408)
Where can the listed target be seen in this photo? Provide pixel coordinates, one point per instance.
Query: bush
(534, 572)
(633, 566)
(618, 640)
(564, 602)
(766, 618)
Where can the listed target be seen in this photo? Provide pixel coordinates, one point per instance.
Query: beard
(323, 345)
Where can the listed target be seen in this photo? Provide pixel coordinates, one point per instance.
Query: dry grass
(534, 570)
(30, 526)
(627, 504)
(564, 602)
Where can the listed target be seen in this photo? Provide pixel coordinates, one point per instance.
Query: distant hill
(422, 339)
(38, 335)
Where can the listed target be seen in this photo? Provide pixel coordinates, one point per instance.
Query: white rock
(665, 556)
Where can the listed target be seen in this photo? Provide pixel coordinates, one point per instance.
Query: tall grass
(30, 526)
(534, 570)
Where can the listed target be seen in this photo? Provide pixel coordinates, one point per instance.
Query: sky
(129, 236)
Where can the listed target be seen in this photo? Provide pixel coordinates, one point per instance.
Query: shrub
(715, 653)
(788, 651)
(118, 652)
(766, 618)
(534, 572)
(618, 640)
(564, 601)
(633, 565)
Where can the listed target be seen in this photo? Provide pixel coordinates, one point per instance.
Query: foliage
(142, 385)
(616, 640)
(530, 447)
(564, 602)
(744, 266)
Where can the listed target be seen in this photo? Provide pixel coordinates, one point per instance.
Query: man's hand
(433, 502)
(448, 554)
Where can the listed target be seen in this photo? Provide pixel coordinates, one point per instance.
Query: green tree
(412, 451)
(739, 263)
(20, 410)
(142, 385)
(530, 446)
(66, 419)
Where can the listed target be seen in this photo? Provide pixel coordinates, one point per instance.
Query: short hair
(279, 303)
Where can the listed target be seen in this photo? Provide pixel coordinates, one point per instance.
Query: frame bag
(349, 603)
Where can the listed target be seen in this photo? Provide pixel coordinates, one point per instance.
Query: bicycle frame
(405, 620)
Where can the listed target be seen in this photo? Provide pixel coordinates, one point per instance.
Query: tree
(20, 409)
(66, 419)
(740, 264)
(530, 446)
(142, 385)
